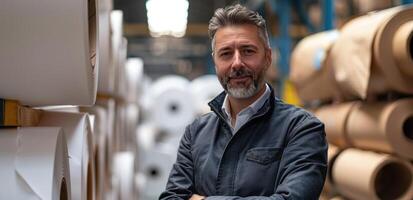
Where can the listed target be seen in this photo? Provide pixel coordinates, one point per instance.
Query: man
(252, 146)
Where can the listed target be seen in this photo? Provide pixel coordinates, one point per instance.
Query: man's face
(241, 59)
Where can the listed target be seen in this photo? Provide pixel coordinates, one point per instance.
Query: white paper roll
(34, 164)
(121, 81)
(47, 52)
(80, 148)
(134, 72)
(156, 168)
(106, 82)
(124, 172)
(109, 106)
(132, 118)
(204, 89)
(169, 104)
(100, 136)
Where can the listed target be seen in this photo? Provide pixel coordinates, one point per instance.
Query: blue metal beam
(328, 14)
(406, 1)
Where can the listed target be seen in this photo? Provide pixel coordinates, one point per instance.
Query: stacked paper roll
(335, 127)
(121, 81)
(332, 154)
(311, 71)
(59, 52)
(366, 175)
(76, 128)
(109, 106)
(156, 166)
(372, 54)
(385, 127)
(100, 137)
(204, 89)
(132, 119)
(106, 81)
(134, 72)
(34, 164)
(169, 104)
(124, 172)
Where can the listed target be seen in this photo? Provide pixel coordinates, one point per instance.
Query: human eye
(224, 54)
(248, 51)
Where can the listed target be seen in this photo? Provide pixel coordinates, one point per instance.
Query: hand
(196, 197)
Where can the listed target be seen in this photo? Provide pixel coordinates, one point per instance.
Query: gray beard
(243, 93)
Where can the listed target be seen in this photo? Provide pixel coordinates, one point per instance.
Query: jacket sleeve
(180, 182)
(303, 165)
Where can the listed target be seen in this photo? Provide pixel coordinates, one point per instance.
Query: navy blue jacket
(280, 153)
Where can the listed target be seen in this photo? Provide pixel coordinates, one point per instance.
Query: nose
(237, 60)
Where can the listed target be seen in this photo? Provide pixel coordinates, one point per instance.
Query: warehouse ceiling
(188, 56)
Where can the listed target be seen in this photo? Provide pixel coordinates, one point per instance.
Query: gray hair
(237, 15)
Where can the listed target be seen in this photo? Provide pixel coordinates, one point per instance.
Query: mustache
(242, 72)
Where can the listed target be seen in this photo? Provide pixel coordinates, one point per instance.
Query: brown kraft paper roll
(386, 127)
(375, 49)
(334, 118)
(361, 175)
(310, 73)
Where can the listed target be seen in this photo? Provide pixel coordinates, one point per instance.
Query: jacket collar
(216, 104)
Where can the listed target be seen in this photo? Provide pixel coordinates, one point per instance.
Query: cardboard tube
(77, 130)
(34, 164)
(366, 175)
(335, 119)
(54, 62)
(385, 127)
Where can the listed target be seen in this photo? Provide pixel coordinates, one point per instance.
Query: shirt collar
(254, 107)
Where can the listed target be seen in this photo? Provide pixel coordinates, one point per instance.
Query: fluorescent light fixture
(167, 17)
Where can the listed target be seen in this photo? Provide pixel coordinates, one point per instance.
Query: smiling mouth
(240, 79)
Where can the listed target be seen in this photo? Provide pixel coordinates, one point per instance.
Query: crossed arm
(302, 168)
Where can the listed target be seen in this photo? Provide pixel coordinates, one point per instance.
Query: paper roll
(121, 81)
(366, 175)
(156, 167)
(124, 172)
(374, 46)
(100, 137)
(333, 152)
(132, 119)
(386, 127)
(335, 119)
(169, 104)
(109, 106)
(106, 81)
(34, 164)
(134, 72)
(80, 149)
(311, 70)
(204, 89)
(47, 54)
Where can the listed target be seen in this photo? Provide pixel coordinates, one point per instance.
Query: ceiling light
(167, 17)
